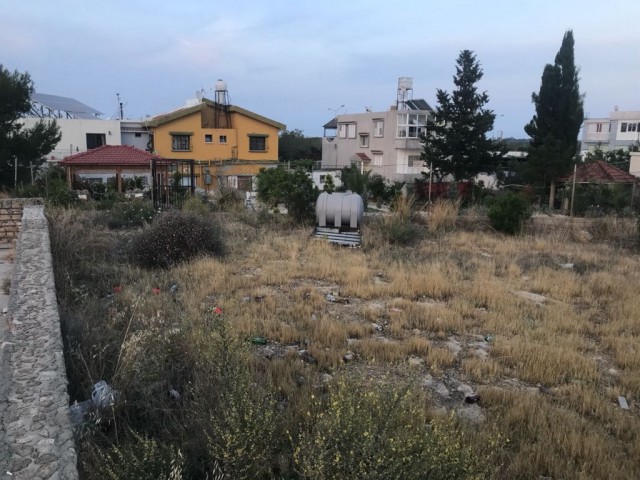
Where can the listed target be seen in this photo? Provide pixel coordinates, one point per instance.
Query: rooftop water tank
(339, 209)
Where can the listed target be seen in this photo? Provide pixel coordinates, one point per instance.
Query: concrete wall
(11, 216)
(36, 438)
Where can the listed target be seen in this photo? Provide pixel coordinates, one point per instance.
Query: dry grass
(580, 343)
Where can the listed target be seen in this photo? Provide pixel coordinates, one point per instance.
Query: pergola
(110, 160)
(599, 172)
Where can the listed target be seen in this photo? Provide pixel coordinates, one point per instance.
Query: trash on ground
(474, 398)
(623, 403)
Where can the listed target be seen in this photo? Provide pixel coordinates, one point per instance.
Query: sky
(298, 62)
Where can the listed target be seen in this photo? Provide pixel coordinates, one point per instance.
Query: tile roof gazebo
(110, 160)
(599, 172)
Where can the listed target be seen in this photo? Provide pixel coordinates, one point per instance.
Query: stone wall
(11, 216)
(36, 439)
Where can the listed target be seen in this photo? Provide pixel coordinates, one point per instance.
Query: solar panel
(418, 104)
(65, 104)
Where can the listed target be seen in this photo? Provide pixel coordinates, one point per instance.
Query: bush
(130, 214)
(443, 215)
(400, 227)
(197, 205)
(293, 188)
(140, 458)
(381, 432)
(175, 237)
(509, 212)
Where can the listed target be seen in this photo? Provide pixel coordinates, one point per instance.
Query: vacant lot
(544, 327)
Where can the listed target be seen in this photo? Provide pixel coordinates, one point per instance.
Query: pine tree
(25, 146)
(457, 142)
(559, 114)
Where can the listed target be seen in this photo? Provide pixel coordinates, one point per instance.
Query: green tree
(555, 125)
(25, 146)
(294, 188)
(457, 143)
(293, 146)
(619, 158)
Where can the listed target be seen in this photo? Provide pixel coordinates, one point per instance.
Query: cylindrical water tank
(339, 209)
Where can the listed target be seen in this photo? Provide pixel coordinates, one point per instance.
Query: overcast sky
(295, 61)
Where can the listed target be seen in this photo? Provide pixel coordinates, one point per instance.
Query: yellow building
(227, 143)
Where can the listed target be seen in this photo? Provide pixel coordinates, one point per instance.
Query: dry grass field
(544, 327)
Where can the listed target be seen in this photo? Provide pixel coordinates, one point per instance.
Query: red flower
(217, 311)
(155, 291)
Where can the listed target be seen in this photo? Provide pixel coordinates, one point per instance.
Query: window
(364, 140)
(137, 134)
(181, 143)
(378, 127)
(223, 139)
(623, 127)
(95, 140)
(413, 161)
(632, 127)
(347, 130)
(377, 159)
(598, 127)
(208, 138)
(411, 125)
(257, 143)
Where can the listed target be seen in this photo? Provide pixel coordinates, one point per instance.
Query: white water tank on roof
(339, 209)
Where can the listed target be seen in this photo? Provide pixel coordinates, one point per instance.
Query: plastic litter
(259, 341)
(623, 403)
(474, 398)
(103, 395)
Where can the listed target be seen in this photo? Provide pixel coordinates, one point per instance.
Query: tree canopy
(294, 146)
(558, 116)
(619, 158)
(457, 142)
(26, 146)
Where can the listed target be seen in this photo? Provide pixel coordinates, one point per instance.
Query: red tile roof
(111, 155)
(599, 172)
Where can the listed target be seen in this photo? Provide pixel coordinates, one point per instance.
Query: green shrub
(140, 458)
(239, 415)
(294, 188)
(381, 432)
(175, 237)
(400, 228)
(509, 212)
(197, 205)
(130, 214)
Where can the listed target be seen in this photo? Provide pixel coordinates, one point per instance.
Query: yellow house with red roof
(228, 143)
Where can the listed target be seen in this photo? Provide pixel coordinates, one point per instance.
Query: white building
(387, 143)
(81, 127)
(619, 130)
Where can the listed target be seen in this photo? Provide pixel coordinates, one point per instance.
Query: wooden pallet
(334, 235)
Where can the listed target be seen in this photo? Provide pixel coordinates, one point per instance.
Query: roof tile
(111, 155)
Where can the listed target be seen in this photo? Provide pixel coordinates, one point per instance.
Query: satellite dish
(200, 94)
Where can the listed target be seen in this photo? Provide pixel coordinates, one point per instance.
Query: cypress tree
(555, 125)
(456, 143)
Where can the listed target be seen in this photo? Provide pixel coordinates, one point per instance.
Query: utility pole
(120, 107)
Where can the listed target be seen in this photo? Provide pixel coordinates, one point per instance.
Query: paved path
(6, 268)
(36, 441)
